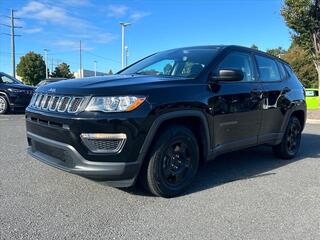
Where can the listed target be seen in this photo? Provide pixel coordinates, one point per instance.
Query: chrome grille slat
(56, 103)
(64, 102)
(46, 104)
(75, 104)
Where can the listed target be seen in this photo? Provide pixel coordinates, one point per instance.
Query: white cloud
(67, 43)
(103, 37)
(76, 2)
(50, 14)
(136, 16)
(71, 44)
(32, 30)
(56, 16)
(117, 11)
(120, 11)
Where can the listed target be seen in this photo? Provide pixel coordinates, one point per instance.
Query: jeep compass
(156, 120)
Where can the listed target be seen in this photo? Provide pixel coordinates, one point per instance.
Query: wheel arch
(299, 111)
(188, 118)
(5, 96)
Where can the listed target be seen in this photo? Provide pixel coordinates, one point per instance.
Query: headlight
(115, 104)
(15, 90)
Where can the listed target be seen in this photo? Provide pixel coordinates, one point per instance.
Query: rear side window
(282, 71)
(268, 69)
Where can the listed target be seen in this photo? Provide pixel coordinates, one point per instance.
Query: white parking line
(313, 121)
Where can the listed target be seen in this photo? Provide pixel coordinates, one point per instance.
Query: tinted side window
(291, 73)
(239, 61)
(282, 71)
(268, 70)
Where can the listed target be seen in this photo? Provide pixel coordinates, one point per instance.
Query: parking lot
(242, 195)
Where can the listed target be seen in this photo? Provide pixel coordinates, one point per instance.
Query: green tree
(31, 68)
(110, 72)
(303, 17)
(302, 64)
(62, 71)
(253, 46)
(278, 52)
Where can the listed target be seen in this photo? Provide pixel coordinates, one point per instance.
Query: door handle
(286, 90)
(257, 93)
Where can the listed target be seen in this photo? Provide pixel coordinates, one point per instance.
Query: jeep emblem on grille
(52, 90)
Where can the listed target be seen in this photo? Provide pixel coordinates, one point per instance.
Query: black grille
(104, 145)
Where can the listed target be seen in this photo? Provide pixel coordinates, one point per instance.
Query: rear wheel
(3, 105)
(172, 164)
(290, 144)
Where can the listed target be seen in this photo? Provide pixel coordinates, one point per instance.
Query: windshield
(8, 79)
(187, 63)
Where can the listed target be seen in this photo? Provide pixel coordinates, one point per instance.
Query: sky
(59, 25)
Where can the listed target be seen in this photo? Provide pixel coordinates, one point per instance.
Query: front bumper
(67, 158)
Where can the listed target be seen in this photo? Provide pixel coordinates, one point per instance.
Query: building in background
(88, 73)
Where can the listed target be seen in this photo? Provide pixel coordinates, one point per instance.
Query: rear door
(236, 106)
(273, 79)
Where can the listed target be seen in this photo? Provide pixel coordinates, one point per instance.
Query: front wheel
(172, 164)
(3, 105)
(290, 144)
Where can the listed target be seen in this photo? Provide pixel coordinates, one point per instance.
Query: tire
(290, 144)
(3, 105)
(172, 163)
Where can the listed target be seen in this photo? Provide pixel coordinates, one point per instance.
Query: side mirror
(229, 75)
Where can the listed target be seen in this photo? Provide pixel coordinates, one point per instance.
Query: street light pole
(95, 68)
(126, 50)
(46, 61)
(123, 25)
(81, 72)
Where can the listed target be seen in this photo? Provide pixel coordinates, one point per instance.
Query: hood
(116, 83)
(20, 86)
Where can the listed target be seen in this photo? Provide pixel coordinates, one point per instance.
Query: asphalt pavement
(247, 194)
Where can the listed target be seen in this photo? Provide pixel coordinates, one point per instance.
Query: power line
(96, 55)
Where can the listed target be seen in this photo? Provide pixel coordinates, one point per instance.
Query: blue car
(14, 95)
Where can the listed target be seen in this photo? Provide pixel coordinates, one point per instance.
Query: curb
(313, 121)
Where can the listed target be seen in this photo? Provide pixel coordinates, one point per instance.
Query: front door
(236, 106)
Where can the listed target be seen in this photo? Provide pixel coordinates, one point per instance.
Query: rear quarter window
(283, 72)
(268, 69)
(291, 73)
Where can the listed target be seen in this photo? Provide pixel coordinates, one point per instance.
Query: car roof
(233, 47)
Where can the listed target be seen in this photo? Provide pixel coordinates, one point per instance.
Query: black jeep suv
(14, 95)
(154, 121)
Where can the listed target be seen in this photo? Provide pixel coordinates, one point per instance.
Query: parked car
(156, 120)
(49, 80)
(14, 95)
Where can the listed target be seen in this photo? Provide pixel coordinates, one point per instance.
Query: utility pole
(46, 61)
(95, 67)
(51, 65)
(123, 25)
(12, 35)
(81, 73)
